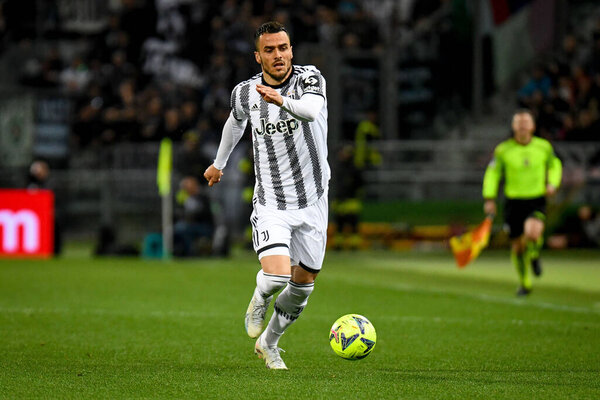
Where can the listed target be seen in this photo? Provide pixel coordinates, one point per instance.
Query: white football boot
(255, 314)
(271, 355)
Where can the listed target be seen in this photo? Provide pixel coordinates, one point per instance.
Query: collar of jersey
(282, 84)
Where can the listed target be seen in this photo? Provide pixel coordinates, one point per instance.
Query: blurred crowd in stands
(564, 92)
(166, 68)
(142, 70)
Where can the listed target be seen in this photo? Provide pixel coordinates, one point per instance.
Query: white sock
(288, 306)
(269, 284)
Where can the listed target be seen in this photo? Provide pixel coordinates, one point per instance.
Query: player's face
(274, 55)
(523, 127)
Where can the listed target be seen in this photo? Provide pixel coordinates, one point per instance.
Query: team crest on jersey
(286, 127)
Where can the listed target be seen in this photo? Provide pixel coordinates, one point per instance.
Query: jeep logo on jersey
(287, 127)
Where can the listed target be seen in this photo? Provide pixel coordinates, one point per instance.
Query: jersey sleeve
(493, 174)
(312, 82)
(306, 109)
(233, 130)
(237, 110)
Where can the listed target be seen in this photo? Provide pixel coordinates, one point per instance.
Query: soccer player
(531, 171)
(286, 106)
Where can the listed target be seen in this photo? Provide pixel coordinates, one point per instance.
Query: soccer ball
(352, 337)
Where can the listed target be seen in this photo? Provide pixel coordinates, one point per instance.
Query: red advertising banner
(26, 223)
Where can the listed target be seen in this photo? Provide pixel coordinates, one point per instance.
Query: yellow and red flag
(466, 247)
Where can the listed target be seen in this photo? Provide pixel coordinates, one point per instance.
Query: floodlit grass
(127, 328)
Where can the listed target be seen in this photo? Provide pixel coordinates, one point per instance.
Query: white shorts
(300, 234)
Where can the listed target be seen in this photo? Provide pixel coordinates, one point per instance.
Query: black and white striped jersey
(290, 154)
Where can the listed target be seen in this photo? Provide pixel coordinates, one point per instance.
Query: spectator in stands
(347, 204)
(44, 73)
(559, 104)
(579, 229)
(171, 127)
(367, 132)
(188, 112)
(39, 172)
(548, 121)
(594, 61)
(586, 129)
(151, 116)
(75, 78)
(118, 70)
(209, 136)
(39, 178)
(88, 124)
(572, 54)
(122, 115)
(539, 82)
(362, 26)
(194, 220)
(190, 159)
(328, 27)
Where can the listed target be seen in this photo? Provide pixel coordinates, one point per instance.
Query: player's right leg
(515, 215)
(270, 239)
(265, 349)
(266, 286)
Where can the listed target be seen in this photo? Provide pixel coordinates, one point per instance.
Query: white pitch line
(193, 314)
(478, 296)
(103, 312)
(416, 318)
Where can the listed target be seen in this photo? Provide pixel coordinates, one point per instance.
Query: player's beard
(280, 76)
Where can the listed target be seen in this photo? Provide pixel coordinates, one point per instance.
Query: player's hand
(269, 95)
(213, 175)
(489, 207)
(550, 190)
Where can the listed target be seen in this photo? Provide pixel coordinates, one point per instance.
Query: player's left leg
(515, 214)
(520, 260)
(289, 304)
(534, 238)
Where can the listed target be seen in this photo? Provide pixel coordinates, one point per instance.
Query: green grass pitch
(125, 328)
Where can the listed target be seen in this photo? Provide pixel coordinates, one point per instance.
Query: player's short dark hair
(524, 111)
(269, 27)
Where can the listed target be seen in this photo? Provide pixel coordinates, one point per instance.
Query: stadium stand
(91, 87)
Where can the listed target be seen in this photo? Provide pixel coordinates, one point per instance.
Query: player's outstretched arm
(213, 175)
(306, 109)
(269, 95)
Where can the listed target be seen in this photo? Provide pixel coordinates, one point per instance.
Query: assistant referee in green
(531, 171)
